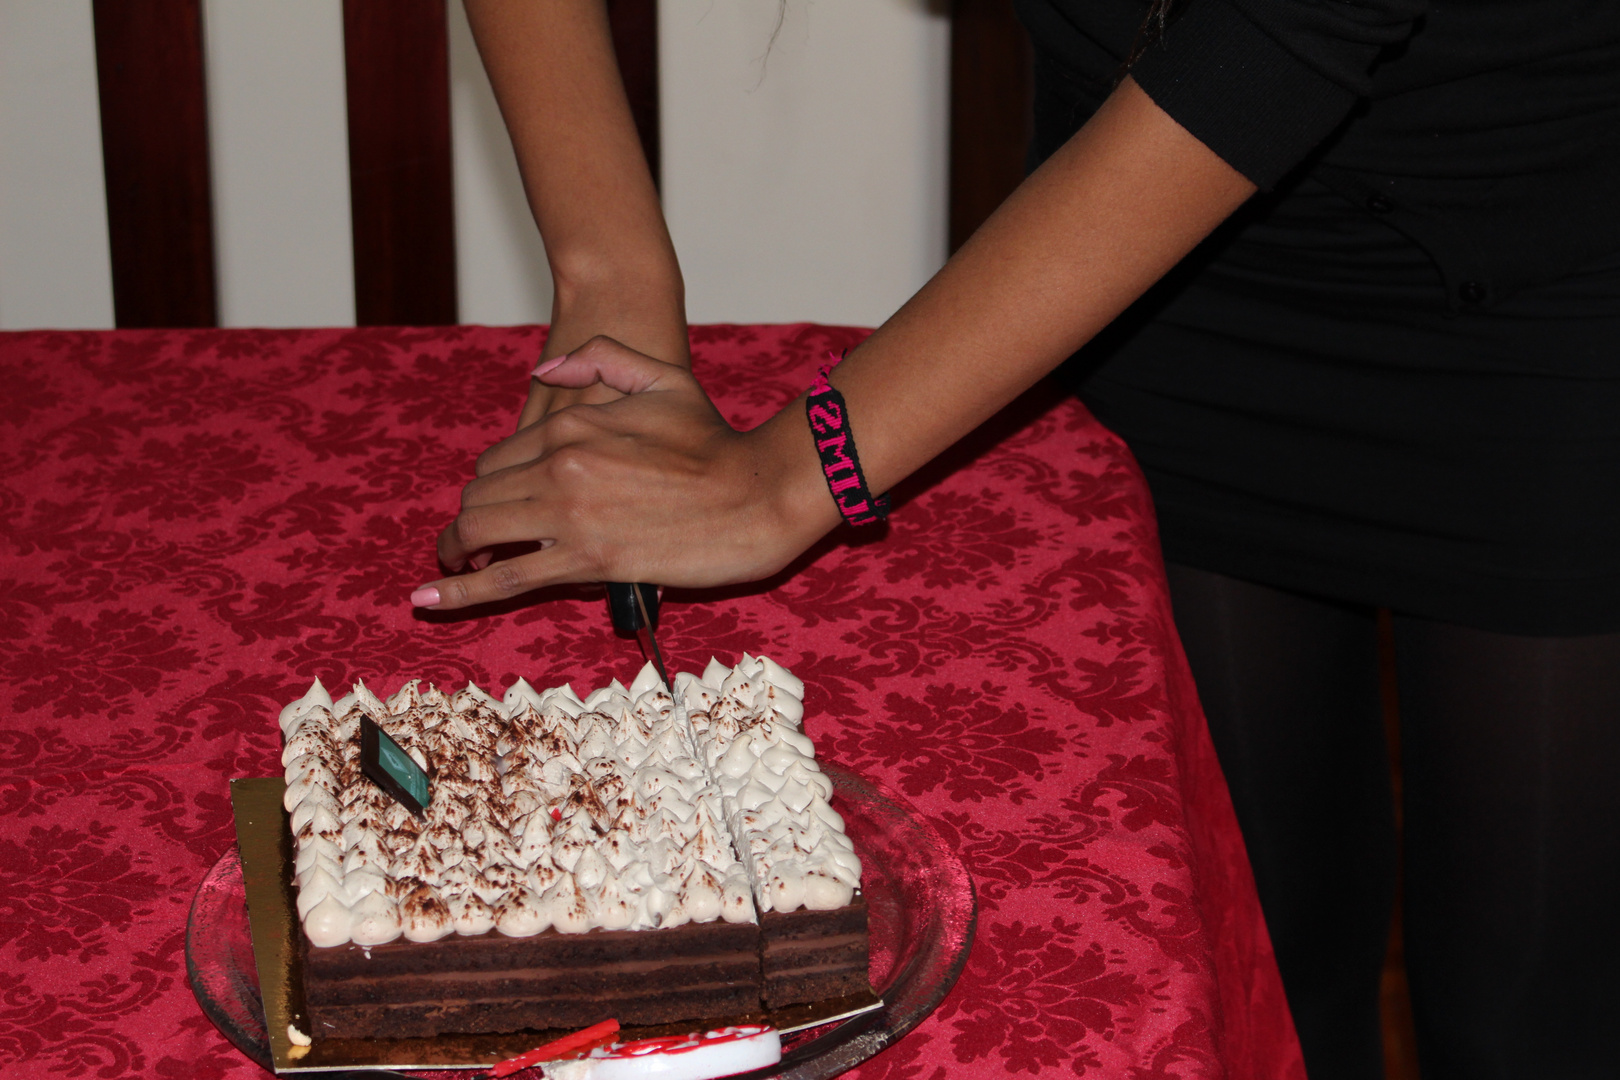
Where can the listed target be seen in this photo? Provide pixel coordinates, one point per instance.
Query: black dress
(1394, 377)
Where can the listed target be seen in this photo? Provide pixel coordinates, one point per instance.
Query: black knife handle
(626, 613)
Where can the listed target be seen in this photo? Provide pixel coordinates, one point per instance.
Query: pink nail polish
(426, 596)
(547, 365)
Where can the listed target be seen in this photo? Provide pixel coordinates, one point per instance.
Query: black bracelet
(835, 443)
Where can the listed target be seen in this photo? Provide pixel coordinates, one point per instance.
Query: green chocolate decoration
(392, 769)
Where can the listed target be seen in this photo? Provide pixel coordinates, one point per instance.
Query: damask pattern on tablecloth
(195, 524)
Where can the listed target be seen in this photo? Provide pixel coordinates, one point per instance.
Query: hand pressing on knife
(644, 314)
(542, 401)
(613, 267)
(651, 486)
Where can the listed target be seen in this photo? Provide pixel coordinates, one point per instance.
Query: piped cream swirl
(629, 808)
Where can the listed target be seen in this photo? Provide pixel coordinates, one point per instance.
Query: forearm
(1108, 215)
(553, 71)
(658, 487)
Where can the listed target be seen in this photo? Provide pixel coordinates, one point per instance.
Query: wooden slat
(398, 72)
(992, 89)
(154, 144)
(635, 42)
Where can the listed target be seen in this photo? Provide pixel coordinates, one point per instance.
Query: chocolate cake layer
(639, 977)
(604, 980)
(495, 951)
(497, 983)
(813, 955)
(411, 1020)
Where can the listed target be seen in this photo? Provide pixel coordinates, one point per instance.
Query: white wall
(279, 143)
(808, 182)
(54, 266)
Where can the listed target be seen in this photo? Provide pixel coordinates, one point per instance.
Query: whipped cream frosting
(624, 809)
(776, 799)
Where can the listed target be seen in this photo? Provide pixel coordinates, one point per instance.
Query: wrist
(582, 278)
(793, 492)
(644, 311)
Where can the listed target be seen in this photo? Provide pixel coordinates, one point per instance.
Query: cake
(635, 854)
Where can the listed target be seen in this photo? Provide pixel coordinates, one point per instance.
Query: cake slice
(777, 801)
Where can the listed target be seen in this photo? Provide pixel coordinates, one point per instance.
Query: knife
(634, 610)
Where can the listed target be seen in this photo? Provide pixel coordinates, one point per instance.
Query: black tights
(1511, 775)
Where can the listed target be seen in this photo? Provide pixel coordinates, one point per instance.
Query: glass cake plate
(920, 910)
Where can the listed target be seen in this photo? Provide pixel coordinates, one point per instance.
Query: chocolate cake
(496, 983)
(810, 955)
(625, 855)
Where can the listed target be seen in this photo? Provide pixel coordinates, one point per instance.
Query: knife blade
(634, 609)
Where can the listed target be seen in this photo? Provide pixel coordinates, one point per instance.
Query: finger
(515, 449)
(479, 527)
(512, 484)
(538, 404)
(480, 560)
(544, 400)
(573, 424)
(603, 360)
(506, 579)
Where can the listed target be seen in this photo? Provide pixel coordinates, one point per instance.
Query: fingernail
(547, 365)
(481, 560)
(426, 596)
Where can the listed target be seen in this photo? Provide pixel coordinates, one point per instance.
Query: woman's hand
(643, 309)
(652, 486)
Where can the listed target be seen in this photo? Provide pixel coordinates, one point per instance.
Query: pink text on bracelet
(835, 445)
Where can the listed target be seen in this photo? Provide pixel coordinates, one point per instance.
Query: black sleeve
(1261, 82)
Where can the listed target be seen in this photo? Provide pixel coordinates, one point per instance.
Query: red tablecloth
(195, 524)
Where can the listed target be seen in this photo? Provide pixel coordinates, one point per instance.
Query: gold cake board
(264, 837)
